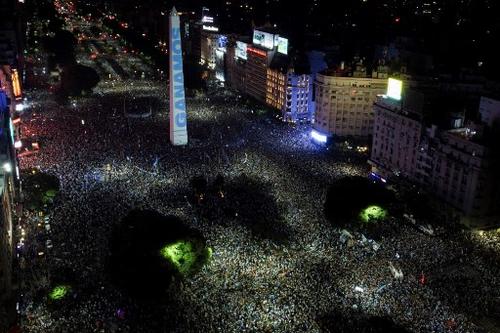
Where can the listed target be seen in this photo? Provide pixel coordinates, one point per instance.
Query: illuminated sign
(394, 89)
(20, 107)
(282, 45)
(15, 84)
(178, 118)
(219, 65)
(207, 19)
(222, 42)
(257, 51)
(241, 50)
(210, 28)
(321, 138)
(263, 39)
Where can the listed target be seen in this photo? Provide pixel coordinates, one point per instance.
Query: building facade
(265, 72)
(396, 138)
(344, 105)
(459, 171)
(290, 93)
(456, 165)
(489, 110)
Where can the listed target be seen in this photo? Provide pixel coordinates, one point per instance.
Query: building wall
(235, 71)
(209, 45)
(460, 172)
(256, 74)
(490, 110)
(299, 105)
(344, 104)
(276, 89)
(451, 164)
(396, 139)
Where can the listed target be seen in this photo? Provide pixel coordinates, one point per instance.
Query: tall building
(489, 110)
(236, 59)
(266, 72)
(456, 164)
(11, 73)
(458, 169)
(344, 104)
(258, 61)
(290, 93)
(8, 168)
(397, 132)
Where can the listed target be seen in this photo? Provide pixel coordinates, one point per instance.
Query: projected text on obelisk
(178, 119)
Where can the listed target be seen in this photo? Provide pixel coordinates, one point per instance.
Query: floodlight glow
(372, 213)
(180, 254)
(318, 136)
(359, 289)
(7, 167)
(59, 292)
(19, 107)
(394, 89)
(18, 144)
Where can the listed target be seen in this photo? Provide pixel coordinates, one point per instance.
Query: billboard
(263, 39)
(222, 42)
(210, 28)
(282, 44)
(207, 19)
(241, 50)
(15, 84)
(394, 89)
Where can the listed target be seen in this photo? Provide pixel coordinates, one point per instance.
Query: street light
(7, 167)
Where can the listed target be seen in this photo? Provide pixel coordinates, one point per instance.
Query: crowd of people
(109, 164)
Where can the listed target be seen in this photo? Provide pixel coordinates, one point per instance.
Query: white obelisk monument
(178, 118)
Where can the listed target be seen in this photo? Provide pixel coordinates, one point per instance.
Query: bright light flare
(7, 167)
(59, 292)
(318, 136)
(373, 213)
(394, 89)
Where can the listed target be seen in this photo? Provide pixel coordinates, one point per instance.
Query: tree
(149, 251)
(356, 198)
(40, 189)
(76, 79)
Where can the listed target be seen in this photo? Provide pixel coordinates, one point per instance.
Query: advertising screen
(222, 42)
(241, 50)
(263, 39)
(210, 28)
(282, 45)
(394, 89)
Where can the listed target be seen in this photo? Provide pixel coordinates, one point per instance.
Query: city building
(397, 129)
(456, 163)
(236, 59)
(8, 170)
(344, 104)
(11, 74)
(265, 71)
(489, 109)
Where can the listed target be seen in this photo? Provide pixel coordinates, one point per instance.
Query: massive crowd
(108, 164)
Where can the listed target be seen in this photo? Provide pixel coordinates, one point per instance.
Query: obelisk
(178, 119)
